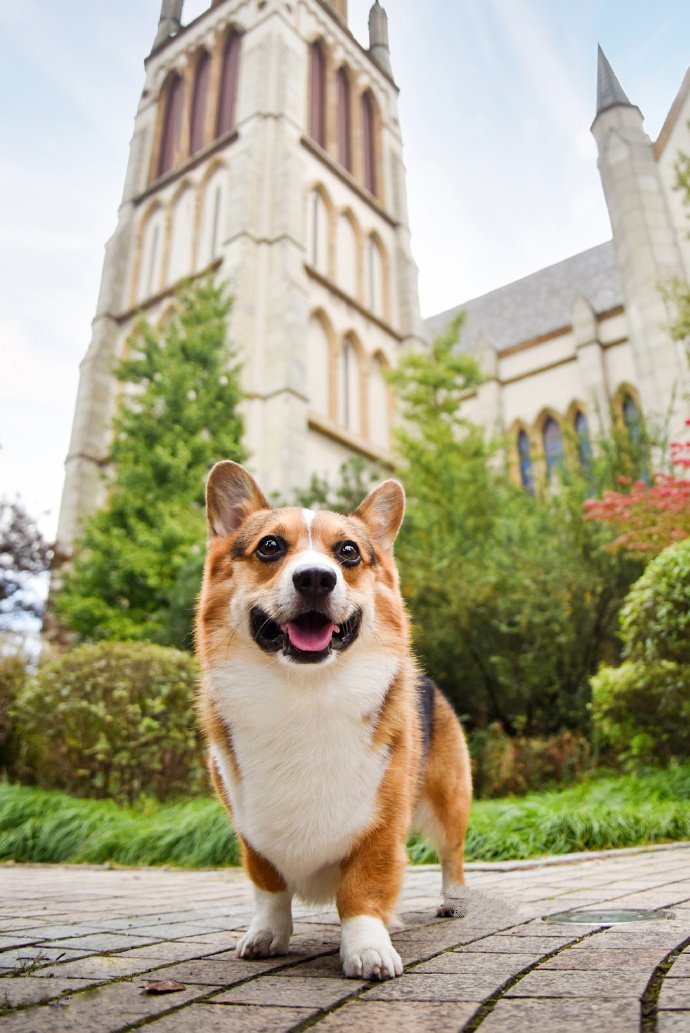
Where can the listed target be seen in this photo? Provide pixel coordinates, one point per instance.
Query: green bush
(504, 765)
(113, 720)
(643, 707)
(643, 710)
(12, 680)
(655, 621)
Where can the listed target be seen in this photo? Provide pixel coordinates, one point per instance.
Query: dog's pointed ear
(382, 511)
(231, 495)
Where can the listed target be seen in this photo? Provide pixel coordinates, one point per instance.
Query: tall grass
(621, 811)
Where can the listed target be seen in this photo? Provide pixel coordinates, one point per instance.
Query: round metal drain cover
(608, 917)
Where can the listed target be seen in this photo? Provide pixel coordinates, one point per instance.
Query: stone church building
(267, 149)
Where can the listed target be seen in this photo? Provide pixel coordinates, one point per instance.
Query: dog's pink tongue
(310, 640)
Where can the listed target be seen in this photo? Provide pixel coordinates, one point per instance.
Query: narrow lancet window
(228, 85)
(344, 121)
(199, 103)
(369, 142)
(317, 94)
(172, 125)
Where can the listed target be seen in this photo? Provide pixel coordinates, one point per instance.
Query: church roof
(538, 304)
(609, 90)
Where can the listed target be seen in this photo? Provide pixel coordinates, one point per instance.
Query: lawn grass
(602, 812)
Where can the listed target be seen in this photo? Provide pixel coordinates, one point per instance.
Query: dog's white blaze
(308, 515)
(309, 774)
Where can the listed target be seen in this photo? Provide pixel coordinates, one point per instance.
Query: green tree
(514, 602)
(138, 564)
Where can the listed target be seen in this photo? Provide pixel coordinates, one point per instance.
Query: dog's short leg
(271, 927)
(366, 899)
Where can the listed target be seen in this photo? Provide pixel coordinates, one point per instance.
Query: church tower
(266, 149)
(647, 247)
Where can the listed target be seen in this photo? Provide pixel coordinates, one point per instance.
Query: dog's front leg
(271, 927)
(369, 890)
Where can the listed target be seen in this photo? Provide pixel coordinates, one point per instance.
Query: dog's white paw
(271, 927)
(263, 943)
(396, 924)
(366, 950)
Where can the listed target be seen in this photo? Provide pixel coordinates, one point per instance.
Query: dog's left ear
(231, 495)
(382, 511)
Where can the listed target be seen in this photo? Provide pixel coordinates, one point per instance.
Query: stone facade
(313, 241)
(588, 339)
(307, 224)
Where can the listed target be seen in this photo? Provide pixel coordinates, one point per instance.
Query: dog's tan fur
(431, 792)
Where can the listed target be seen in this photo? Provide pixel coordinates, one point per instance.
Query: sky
(497, 97)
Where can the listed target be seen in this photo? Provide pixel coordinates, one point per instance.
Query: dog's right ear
(231, 495)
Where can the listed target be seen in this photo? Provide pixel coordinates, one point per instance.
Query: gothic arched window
(318, 232)
(347, 256)
(212, 218)
(228, 85)
(584, 445)
(525, 456)
(181, 258)
(151, 255)
(199, 102)
(172, 125)
(375, 291)
(350, 409)
(553, 446)
(379, 404)
(369, 141)
(632, 420)
(344, 121)
(317, 93)
(318, 366)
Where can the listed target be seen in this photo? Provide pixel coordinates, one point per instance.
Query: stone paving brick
(168, 952)
(397, 1017)
(596, 959)
(100, 967)
(218, 971)
(673, 1022)
(311, 991)
(571, 1016)
(675, 993)
(681, 966)
(580, 984)
(498, 966)
(22, 958)
(514, 945)
(102, 1009)
(223, 1018)
(412, 987)
(22, 990)
(104, 942)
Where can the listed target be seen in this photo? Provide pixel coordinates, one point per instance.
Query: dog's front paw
(366, 950)
(262, 943)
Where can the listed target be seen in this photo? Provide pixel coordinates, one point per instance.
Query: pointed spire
(169, 22)
(379, 49)
(609, 90)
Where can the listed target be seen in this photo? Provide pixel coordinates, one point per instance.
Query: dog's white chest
(309, 774)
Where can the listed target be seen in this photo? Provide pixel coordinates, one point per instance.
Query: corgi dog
(326, 745)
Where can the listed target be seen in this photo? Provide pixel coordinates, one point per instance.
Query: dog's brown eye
(271, 548)
(347, 553)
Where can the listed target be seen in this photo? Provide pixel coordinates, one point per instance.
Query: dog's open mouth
(308, 638)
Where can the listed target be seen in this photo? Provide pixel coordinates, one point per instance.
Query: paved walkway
(79, 947)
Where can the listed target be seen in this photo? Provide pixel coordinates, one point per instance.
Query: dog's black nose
(314, 581)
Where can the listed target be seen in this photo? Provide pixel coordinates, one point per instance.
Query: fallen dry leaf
(165, 986)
